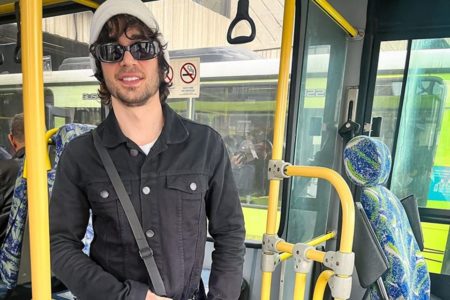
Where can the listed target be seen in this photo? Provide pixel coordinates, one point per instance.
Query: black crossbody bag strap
(144, 249)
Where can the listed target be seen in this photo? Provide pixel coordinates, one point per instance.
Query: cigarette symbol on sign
(188, 73)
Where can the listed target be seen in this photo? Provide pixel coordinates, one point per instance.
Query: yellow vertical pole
(279, 128)
(35, 146)
(280, 111)
(300, 286)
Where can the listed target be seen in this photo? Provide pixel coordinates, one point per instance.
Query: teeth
(130, 78)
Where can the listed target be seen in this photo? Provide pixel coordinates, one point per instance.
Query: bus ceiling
(51, 8)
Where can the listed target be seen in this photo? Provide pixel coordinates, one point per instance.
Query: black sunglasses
(113, 52)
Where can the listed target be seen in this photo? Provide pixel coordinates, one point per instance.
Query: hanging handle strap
(241, 15)
(144, 249)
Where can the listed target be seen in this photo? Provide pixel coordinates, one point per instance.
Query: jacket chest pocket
(188, 186)
(187, 194)
(104, 201)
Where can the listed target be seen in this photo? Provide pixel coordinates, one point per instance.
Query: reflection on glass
(316, 135)
(420, 127)
(69, 96)
(388, 87)
(422, 158)
(240, 106)
(242, 112)
(314, 147)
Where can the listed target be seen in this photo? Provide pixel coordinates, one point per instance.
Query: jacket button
(193, 186)
(146, 190)
(134, 152)
(150, 233)
(104, 194)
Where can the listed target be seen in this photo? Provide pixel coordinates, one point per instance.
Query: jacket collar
(173, 132)
(20, 153)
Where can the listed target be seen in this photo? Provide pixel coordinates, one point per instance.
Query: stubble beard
(130, 96)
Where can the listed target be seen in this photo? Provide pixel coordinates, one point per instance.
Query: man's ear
(12, 141)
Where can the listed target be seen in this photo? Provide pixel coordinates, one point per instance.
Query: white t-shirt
(147, 147)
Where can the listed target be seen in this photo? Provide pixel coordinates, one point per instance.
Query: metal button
(150, 233)
(104, 194)
(193, 186)
(134, 152)
(146, 190)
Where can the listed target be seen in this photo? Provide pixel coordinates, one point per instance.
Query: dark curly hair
(111, 31)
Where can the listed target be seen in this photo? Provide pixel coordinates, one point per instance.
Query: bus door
(410, 112)
(312, 140)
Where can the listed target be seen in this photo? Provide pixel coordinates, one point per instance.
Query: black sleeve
(69, 214)
(8, 174)
(226, 226)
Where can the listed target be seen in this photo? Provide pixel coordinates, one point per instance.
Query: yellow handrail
(345, 196)
(337, 17)
(35, 147)
(48, 164)
(9, 8)
(320, 239)
(321, 284)
(314, 242)
(49, 134)
(87, 3)
(334, 178)
(279, 128)
(280, 110)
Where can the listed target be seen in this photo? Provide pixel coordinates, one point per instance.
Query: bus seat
(10, 250)
(412, 211)
(367, 163)
(15, 259)
(60, 139)
(370, 260)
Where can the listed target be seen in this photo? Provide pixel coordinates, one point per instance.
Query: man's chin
(133, 103)
(128, 101)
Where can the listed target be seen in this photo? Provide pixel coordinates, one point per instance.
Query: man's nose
(128, 59)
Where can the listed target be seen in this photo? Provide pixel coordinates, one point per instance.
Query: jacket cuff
(138, 290)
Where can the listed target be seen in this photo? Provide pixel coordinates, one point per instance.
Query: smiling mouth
(130, 80)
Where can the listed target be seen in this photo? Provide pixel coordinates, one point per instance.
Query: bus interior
(384, 73)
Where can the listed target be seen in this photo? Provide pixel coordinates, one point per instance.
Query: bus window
(388, 87)
(70, 96)
(420, 144)
(11, 104)
(317, 119)
(422, 158)
(241, 109)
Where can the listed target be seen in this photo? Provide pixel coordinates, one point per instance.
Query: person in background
(4, 154)
(176, 172)
(9, 169)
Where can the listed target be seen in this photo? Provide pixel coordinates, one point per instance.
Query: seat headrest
(367, 161)
(66, 133)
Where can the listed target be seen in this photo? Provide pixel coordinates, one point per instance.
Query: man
(176, 172)
(8, 171)
(4, 154)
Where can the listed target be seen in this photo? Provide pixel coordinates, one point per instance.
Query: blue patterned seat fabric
(10, 250)
(65, 134)
(368, 164)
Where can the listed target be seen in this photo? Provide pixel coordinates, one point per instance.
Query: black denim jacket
(184, 181)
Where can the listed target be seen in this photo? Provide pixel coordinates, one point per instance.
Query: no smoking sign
(188, 73)
(185, 76)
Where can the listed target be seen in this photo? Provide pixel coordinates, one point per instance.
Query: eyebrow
(139, 36)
